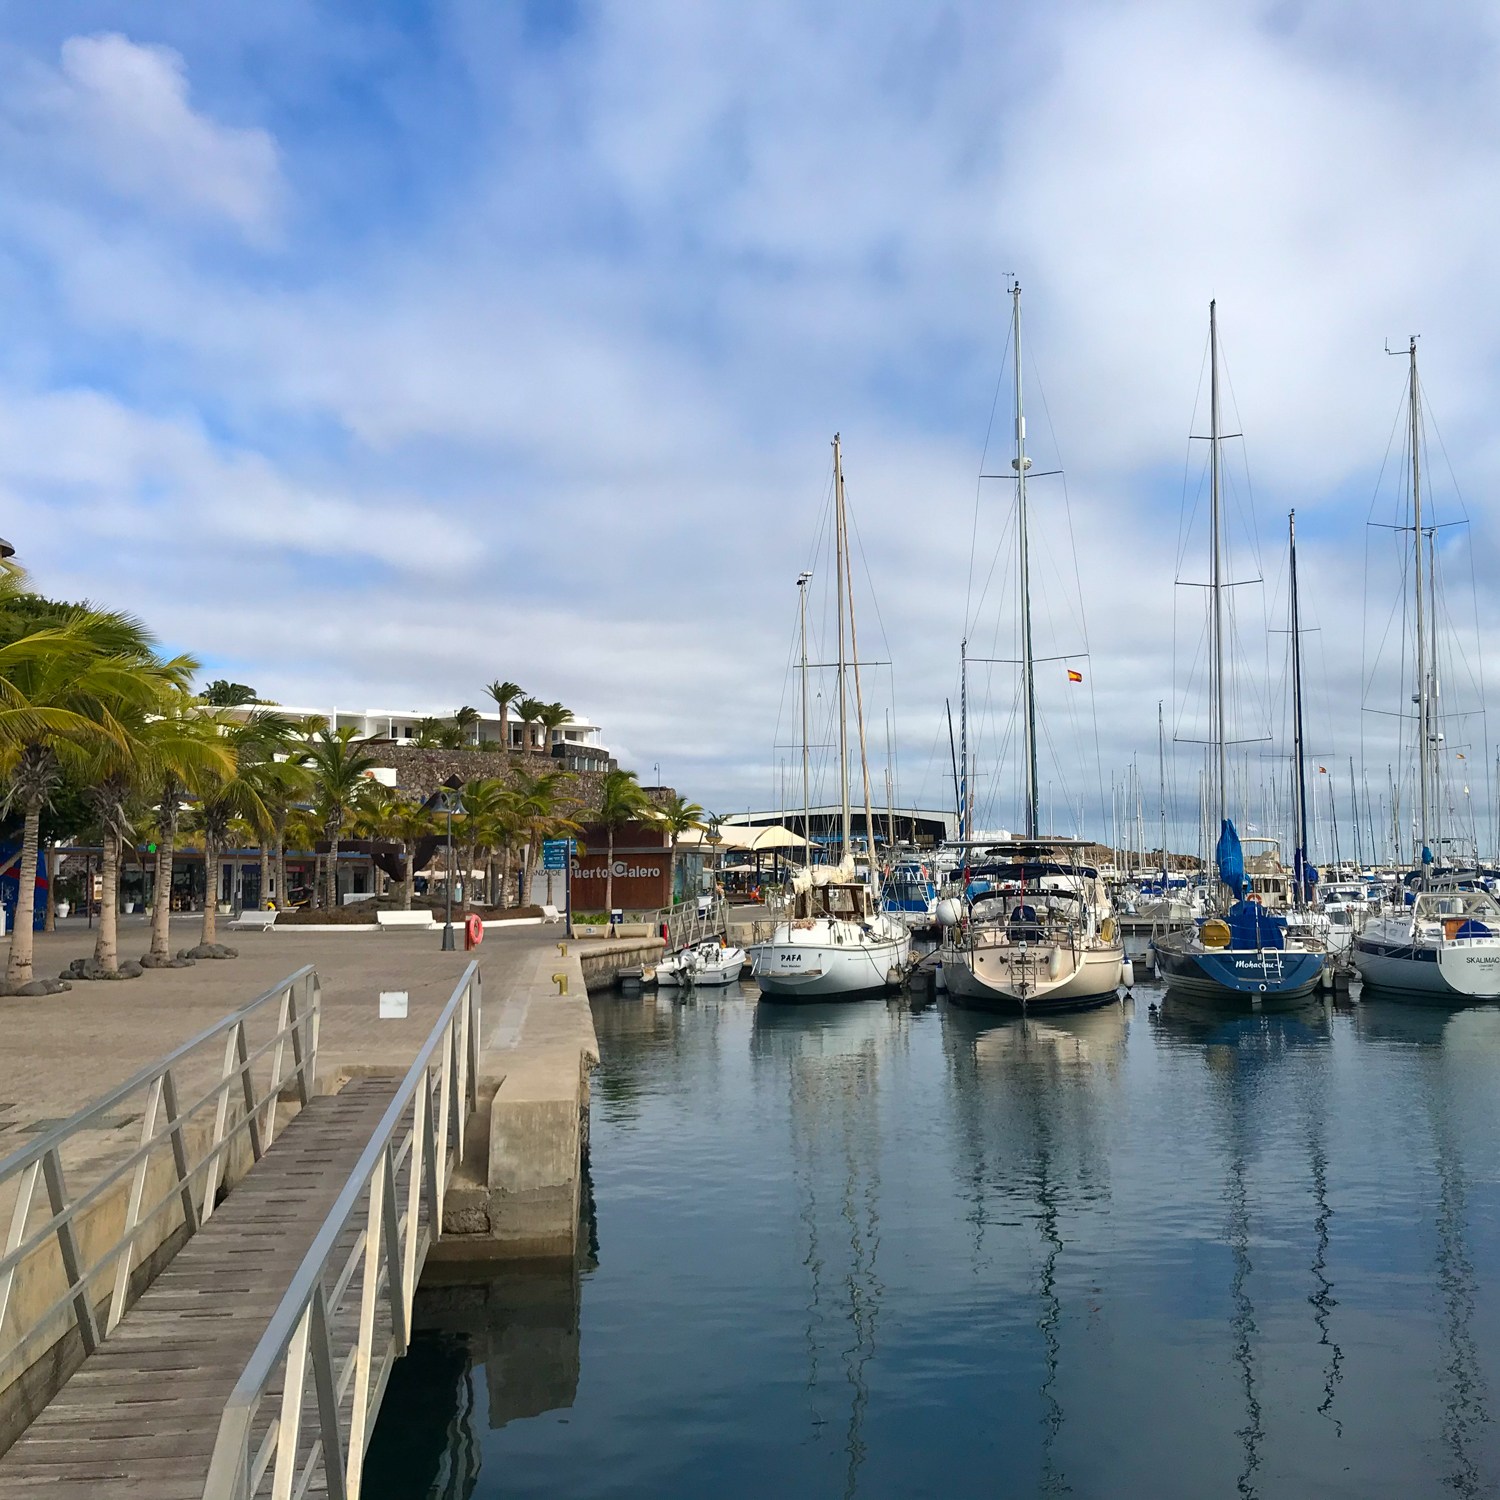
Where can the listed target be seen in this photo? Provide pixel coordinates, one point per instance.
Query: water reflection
(1030, 1098)
(831, 1057)
(1440, 1036)
(1144, 1251)
(1246, 1057)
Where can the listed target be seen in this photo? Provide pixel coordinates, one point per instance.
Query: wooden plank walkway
(140, 1415)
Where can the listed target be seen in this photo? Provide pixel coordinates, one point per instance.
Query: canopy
(735, 836)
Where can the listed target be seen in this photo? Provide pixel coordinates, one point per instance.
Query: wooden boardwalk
(140, 1416)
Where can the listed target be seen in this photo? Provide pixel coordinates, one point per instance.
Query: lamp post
(449, 802)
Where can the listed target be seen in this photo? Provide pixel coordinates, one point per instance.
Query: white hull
(1461, 971)
(723, 966)
(1004, 976)
(818, 967)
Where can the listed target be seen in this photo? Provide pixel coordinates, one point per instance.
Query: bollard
(561, 981)
(562, 950)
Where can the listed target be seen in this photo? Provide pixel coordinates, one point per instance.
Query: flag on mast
(1074, 676)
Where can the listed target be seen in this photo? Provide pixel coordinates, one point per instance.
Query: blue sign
(555, 853)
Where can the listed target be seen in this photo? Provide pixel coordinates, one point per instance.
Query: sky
(372, 352)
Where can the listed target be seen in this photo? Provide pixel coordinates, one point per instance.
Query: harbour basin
(867, 1249)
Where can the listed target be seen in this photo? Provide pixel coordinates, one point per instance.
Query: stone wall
(419, 772)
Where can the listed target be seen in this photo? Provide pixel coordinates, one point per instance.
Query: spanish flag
(1074, 676)
(1461, 755)
(1322, 770)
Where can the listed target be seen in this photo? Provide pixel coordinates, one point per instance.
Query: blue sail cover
(1230, 858)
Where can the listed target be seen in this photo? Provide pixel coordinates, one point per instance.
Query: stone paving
(59, 1052)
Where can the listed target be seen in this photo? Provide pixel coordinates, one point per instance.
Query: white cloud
(120, 111)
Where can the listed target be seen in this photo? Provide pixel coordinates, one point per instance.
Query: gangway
(254, 1363)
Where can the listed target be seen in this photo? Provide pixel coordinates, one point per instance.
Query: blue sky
(376, 351)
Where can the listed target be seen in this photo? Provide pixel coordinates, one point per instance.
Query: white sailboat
(1443, 938)
(1043, 937)
(835, 940)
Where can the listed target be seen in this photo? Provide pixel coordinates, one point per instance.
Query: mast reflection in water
(853, 1250)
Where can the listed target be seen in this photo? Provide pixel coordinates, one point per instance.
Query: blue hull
(1241, 976)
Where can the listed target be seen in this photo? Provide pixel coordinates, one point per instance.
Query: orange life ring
(473, 931)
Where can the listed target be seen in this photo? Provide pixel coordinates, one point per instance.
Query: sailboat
(1041, 937)
(1444, 939)
(835, 941)
(1242, 952)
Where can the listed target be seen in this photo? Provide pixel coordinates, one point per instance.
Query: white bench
(551, 914)
(254, 921)
(422, 920)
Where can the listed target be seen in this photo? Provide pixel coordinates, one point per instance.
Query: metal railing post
(67, 1246)
(18, 1217)
(179, 1152)
(133, 1213)
(328, 1397)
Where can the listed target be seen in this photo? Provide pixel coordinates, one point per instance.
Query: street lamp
(448, 802)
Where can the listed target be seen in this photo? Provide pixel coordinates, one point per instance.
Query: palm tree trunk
(210, 932)
(333, 870)
(23, 939)
(609, 874)
(281, 900)
(409, 880)
(265, 875)
(107, 944)
(161, 902)
(51, 919)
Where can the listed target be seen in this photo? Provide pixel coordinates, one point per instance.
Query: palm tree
(158, 740)
(337, 768)
(429, 735)
(281, 782)
(541, 805)
(677, 816)
(486, 801)
(622, 800)
(552, 718)
(407, 823)
(223, 694)
(467, 720)
(175, 766)
(528, 711)
(225, 796)
(504, 694)
(59, 691)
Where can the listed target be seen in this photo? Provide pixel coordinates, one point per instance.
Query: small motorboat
(702, 963)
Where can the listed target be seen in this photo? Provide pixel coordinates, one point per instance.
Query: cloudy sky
(374, 351)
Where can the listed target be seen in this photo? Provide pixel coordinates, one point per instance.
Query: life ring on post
(473, 931)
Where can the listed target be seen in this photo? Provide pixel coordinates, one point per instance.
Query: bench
(421, 920)
(254, 921)
(551, 914)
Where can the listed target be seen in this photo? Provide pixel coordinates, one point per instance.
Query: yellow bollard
(562, 950)
(561, 981)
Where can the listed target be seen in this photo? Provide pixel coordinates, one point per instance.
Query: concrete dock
(514, 1195)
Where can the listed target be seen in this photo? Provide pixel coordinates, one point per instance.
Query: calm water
(858, 1250)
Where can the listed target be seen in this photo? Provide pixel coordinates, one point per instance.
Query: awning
(734, 836)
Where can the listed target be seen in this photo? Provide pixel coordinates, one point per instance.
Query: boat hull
(1267, 976)
(1456, 971)
(980, 981)
(816, 971)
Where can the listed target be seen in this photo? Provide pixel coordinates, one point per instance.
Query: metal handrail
(196, 1170)
(421, 1132)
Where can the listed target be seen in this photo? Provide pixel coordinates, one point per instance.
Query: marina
(657, 841)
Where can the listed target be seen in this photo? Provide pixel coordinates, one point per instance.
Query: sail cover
(1230, 858)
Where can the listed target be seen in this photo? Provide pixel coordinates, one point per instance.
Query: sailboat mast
(859, 715)
(1020, 463)
(1216, 581)
(965, 820)
(839, 545)
(1424, 728)
(803, 580)
(1161, 786)
(1299, 769)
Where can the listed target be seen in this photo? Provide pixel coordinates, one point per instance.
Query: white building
(575, 740)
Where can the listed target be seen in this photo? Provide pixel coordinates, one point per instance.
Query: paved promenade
(58, 1052)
